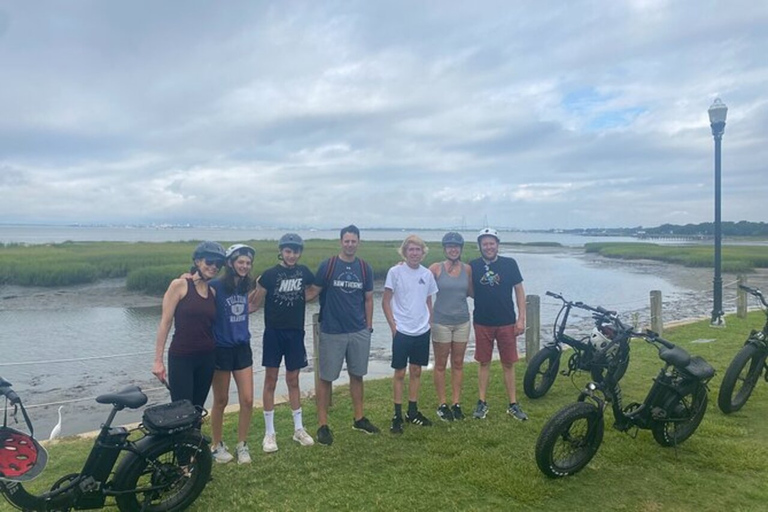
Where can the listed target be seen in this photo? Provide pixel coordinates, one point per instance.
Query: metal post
(532, 325)
(717, 308)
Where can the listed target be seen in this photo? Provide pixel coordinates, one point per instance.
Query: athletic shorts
(231, 359)
(288, 343)
(413, 349)
(450, 333)
(505, 338)
(353, 347)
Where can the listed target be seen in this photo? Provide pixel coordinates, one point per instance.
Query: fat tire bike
(747, 365)
(541, 372)
(164, 470)
(672, 410)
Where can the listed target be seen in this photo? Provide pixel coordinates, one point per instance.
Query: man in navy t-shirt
(346, 324)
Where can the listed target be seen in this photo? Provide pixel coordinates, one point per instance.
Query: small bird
(56, 432)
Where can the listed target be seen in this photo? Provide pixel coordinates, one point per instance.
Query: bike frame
(580, 346)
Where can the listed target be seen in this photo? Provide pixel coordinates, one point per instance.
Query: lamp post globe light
(717, 112)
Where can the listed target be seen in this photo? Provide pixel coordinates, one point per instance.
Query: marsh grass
(489, 465)
(741, 258)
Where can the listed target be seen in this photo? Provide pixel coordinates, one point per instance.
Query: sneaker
(243, 455)
(481, 410)
(220, 453)
(364, 425)
(270, 443)
(418, 419)
(444, 413)
(397, 425)
(324, 435)
(303, 438)
(458, 415)
(516, 412)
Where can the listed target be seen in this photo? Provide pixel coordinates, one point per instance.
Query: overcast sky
(392, 113)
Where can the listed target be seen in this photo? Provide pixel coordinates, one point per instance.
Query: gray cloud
(387, 114)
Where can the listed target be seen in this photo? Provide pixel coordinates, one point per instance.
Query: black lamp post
(717, 113)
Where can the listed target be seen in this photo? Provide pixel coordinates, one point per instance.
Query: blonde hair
(412, 239)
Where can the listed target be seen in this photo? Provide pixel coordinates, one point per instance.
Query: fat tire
(536, 382)
(165, 452)
(555, 431)
(736, 387)
(692, 406)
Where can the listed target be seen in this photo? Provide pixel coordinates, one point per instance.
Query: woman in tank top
(189, 305)
(450, 323)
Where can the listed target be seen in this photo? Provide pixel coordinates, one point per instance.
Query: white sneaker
(243, 455)
(270, 443)
(220, 453)
(301, 437)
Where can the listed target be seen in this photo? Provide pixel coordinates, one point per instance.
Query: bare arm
(175, 292)
(386, 305)
(256, 298)
(369, 309)
(311, 293)
(471, 289)
(520, 300)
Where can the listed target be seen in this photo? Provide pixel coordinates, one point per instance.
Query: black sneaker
(444, 413)
(364, 425)
(397, 425)
(418, 419)
(457, 414)
(324, 435)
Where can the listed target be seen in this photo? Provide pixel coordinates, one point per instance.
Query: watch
(370, 329)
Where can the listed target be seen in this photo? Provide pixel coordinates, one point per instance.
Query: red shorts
(505, 338)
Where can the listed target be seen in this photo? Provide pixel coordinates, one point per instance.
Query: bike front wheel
(740, 378)
(569, 440)
(541, 372)
(684, 414)
(168, 478)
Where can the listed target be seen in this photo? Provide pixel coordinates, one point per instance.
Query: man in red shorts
(496, 279)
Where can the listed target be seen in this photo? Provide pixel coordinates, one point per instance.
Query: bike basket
(21, 456)
(171, 418)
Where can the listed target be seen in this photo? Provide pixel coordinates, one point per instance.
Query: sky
(432, 114)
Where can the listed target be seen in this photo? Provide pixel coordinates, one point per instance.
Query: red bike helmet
(21, 456)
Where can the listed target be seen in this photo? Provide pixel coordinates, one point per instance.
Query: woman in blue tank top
(450, 323)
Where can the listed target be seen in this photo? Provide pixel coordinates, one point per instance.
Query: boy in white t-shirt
(407, 304)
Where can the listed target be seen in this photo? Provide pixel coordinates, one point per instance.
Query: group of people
(211, 342)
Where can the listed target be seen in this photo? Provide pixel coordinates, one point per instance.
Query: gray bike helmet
(292, 241)
(209, 250)
(453, 238)
(237, 250)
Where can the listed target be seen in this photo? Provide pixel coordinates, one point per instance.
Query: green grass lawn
(489, 465)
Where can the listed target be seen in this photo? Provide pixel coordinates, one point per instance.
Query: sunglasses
(214, 263)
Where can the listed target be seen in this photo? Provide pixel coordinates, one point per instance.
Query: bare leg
(220, 386)
(414, 382)
(458, 350)
(509, 381)
(397, 385)
(270, 382)
(323, 394)
(294, 393)
(442, 351)
(356, 391)
(244, 382)
(483, 377)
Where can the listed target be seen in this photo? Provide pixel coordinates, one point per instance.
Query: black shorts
(230, 359)
(410, 349)
(284, 343)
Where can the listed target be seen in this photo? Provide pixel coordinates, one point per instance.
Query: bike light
(591, 386)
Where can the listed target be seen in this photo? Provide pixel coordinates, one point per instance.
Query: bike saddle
(700, 368)
(675, 356)
(130, 397)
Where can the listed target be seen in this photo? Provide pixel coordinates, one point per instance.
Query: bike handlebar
(754, 291)
(654, 337)
(6, 391)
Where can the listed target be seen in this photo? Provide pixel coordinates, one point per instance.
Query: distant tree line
(741, 228)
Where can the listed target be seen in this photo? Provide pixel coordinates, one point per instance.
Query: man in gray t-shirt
(346, 324)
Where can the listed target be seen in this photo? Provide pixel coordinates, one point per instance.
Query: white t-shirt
(410, 288)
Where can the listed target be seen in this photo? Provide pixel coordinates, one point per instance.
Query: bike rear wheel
(541, 372)
(569, 440)
(740, 378)
(179, 464)
(684, 414)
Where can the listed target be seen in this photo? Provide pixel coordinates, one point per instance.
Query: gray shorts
(355, 347)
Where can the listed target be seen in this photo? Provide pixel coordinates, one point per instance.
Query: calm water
(57, 356)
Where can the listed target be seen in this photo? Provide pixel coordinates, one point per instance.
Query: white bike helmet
(601, 337)
(237, 250)
(488, 232)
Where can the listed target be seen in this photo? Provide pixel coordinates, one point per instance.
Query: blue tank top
(451, 303)
(230, 328)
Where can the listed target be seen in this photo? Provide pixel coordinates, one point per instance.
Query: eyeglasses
(214, 263)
